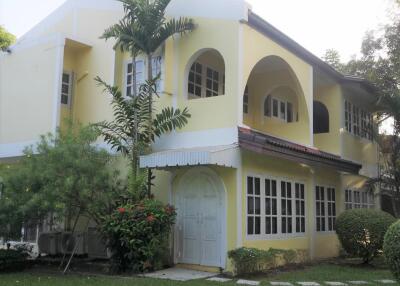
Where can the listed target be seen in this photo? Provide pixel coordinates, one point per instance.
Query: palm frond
(168, 120)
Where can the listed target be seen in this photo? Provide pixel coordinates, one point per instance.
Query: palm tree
(129, 134)
(145, 29)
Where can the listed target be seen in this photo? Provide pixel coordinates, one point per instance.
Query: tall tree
(144, 29)
(380, 64)
(6, 39)
(332, 57)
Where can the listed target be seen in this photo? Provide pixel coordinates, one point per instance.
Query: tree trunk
(136, 136)
(150, 78)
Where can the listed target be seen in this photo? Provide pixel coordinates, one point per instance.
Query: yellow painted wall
(254, 164)
(27, 85)
(331, 97)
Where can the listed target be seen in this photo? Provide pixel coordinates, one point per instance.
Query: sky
(317, 25)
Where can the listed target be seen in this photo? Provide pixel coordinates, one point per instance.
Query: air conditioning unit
(71, 241)
(49, 243)
(96, 245)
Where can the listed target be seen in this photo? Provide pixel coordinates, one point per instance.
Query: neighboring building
(278, 145)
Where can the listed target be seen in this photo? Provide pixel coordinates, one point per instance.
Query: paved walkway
(180, 274)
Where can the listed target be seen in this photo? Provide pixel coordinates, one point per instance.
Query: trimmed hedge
(253, 260)
(391, 249)
(362, 231)
(13, 260)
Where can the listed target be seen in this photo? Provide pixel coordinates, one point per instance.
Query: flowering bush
(137, 235)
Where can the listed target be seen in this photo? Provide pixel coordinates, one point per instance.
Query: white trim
(236, 10)
(311, 109)
(241, 85)
(196, 139)
(223, 210)
(225, 156)
(239, 202)
(57, 86)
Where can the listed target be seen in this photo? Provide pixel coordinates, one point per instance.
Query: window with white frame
(286, 207)
(325, 200)
(246, 100)
(320, 208)
(279, 209)
(205, 81)
(331, 201)
(279, 109)
(253, 206)
(132, 81)
(355, 199)
(156, 71)
(66, 88)
(358, 121)
(348, 200)
(271, 207)
(300, 201)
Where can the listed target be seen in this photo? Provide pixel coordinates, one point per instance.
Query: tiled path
(306, 283)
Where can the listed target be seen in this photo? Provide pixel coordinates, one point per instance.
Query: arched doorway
(200, 229)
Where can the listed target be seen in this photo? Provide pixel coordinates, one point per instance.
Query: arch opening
(205, 75)
(274, 102)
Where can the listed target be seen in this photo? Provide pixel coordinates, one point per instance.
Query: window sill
(275, 237)
(195, 98)
(359, 138)
(325, 233)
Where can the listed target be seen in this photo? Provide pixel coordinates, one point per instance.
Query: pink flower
(121, 210)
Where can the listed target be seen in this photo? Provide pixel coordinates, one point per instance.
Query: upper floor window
(157, 71)
(358, 121)
(246, 100)
(356, 199)
(66, 88)
(134, 80)
(275, 207)
(137, 78)
(278, 108)
(206, 76)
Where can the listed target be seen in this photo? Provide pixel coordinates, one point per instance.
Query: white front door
(199, 224)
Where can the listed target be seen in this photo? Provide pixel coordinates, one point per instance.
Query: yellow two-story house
(279, 143)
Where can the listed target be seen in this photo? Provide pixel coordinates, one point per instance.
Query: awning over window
(226, 156)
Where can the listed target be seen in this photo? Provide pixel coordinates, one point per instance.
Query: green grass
(330, 272)
(317, 273)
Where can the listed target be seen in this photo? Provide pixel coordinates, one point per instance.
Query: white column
(311, 215)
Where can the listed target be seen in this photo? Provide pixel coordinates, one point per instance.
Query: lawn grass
(316, 273)
(331, 272)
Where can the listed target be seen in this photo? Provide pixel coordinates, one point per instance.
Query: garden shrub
(138, 235)
(391, 249)
(253, 260)
(361, 232)
(13, 260)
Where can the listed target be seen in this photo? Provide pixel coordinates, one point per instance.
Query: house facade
(279, 143)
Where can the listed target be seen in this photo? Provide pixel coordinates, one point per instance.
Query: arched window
(207, 75)
(281, 105)
(321, 118)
